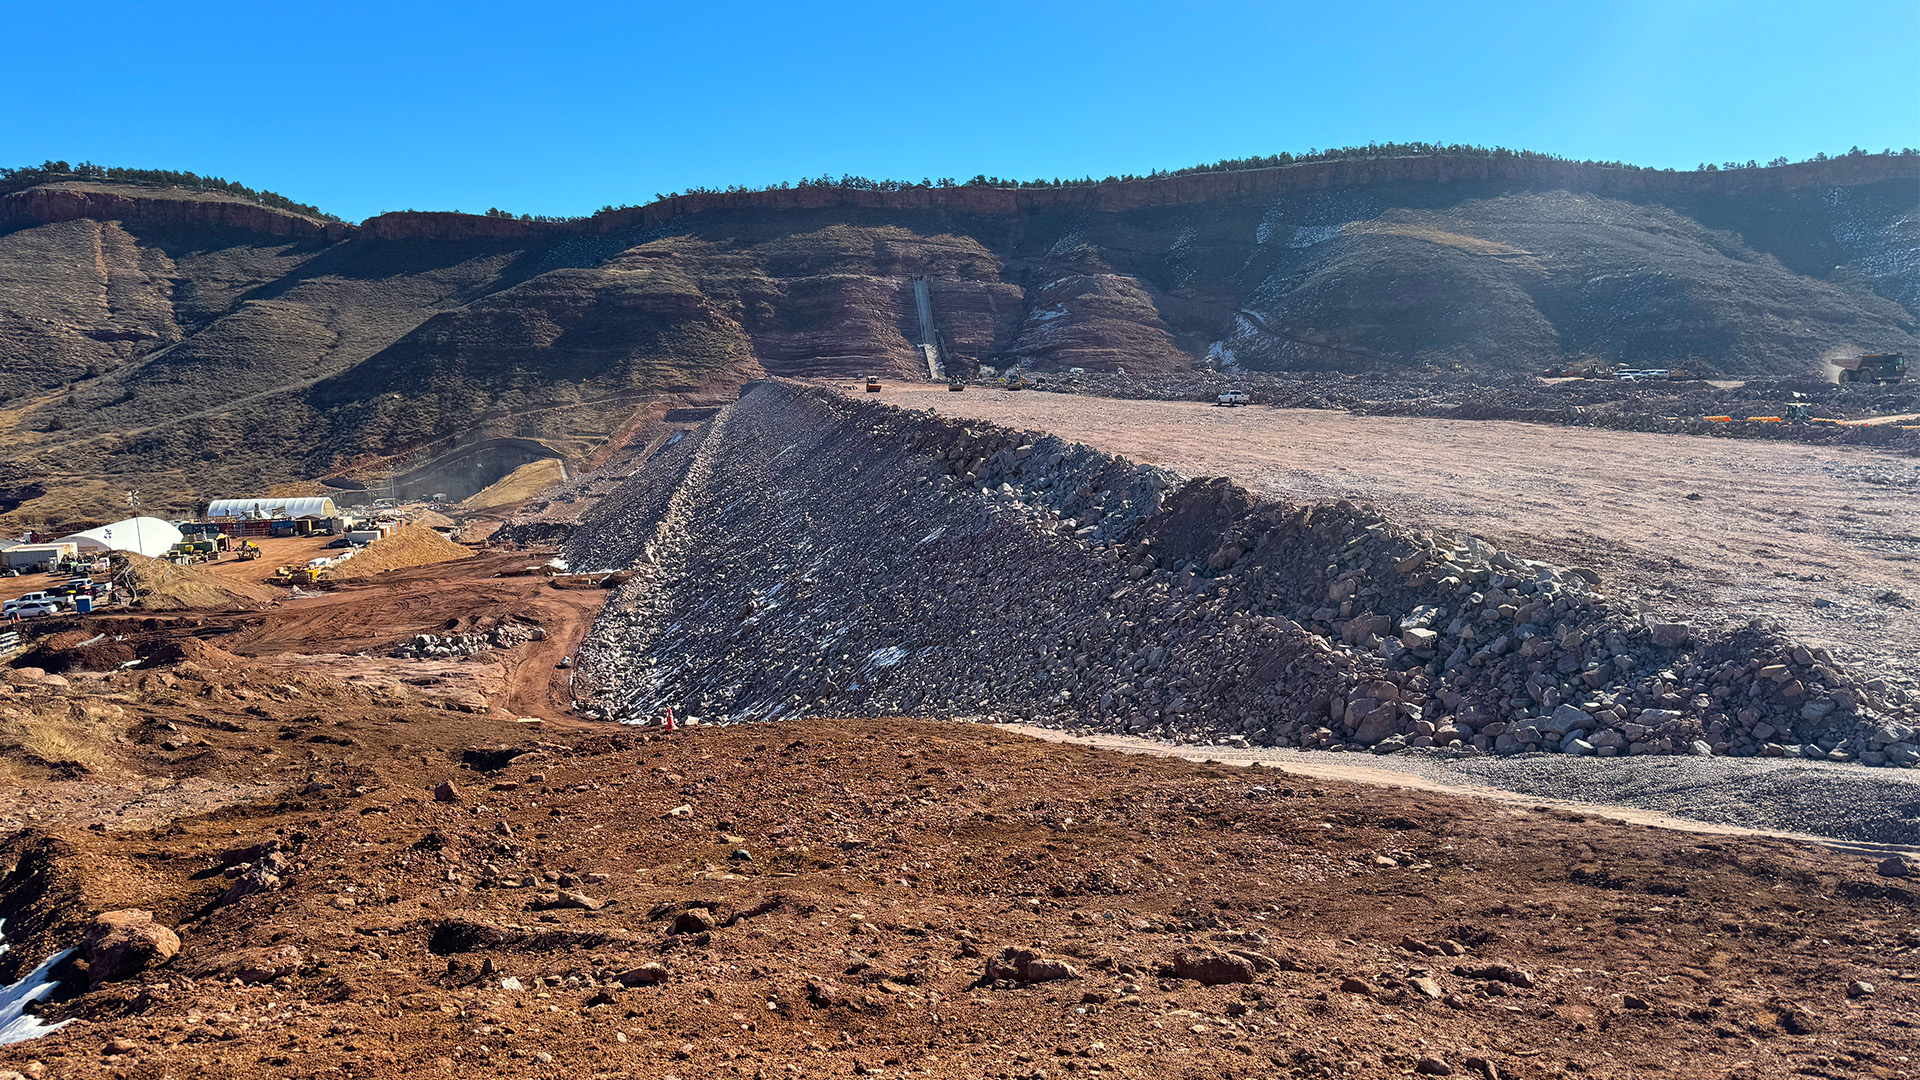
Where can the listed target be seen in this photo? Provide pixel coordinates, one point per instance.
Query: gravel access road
(1824, 540)
(1868, 810)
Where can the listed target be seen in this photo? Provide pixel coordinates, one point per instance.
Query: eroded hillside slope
(191, 345)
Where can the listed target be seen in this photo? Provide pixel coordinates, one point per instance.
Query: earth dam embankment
(805, 553)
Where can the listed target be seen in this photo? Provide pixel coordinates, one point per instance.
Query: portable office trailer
(37, 556)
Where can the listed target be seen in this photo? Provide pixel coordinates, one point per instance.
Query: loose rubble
(441, 646)
(813, 554)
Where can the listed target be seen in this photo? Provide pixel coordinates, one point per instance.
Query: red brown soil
(887, 860)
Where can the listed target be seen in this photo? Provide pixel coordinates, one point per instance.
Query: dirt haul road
(1823, 540)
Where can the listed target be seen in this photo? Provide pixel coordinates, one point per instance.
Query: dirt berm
(809, 554)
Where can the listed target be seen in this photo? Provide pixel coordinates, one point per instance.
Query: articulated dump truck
(1873, 368)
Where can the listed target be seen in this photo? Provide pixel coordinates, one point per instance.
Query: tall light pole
(139, 542)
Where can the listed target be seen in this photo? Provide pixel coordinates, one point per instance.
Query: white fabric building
(282, 509)
(148, 536)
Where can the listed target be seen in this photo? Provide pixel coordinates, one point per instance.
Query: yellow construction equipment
(249, 551)
(309, 575)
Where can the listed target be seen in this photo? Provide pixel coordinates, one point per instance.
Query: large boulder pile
(842, 557)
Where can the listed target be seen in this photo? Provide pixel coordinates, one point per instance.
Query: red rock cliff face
(447, 225)
(45, 205)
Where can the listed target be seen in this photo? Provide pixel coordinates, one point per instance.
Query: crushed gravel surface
(1822, 800)
(1820, 539)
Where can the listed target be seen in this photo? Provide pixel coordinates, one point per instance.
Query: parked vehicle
(35, 611)
(33, 599)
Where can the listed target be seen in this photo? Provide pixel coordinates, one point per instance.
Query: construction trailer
(30, 557)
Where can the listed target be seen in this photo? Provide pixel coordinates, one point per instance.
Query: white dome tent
(314, 507)
(149, 536)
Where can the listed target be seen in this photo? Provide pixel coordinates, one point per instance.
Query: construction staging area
(1015, 735)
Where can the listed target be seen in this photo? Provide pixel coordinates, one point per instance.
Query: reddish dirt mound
(413, 545)
(163, 586)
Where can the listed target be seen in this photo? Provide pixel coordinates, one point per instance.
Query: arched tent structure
(316, 507)
(148, 536)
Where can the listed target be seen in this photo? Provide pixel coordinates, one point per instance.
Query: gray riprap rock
(1669, 635)
(1701, 748)
(1566, 718)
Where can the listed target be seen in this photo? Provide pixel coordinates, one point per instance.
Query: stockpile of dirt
(164, 586)
(407, 546)
(826, 555)
(78, 650)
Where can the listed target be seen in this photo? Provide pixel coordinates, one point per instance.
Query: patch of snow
(15, 1024)
(1222, 357)
(1308, 235)
(1045, 314)
(1068, 244)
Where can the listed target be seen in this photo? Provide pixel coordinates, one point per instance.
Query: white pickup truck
(33, 604)
(1232, 397)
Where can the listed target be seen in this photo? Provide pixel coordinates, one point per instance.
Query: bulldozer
(309, 575)
(1872, 367)
(249, 551)
(1016, 382)
(956, 384)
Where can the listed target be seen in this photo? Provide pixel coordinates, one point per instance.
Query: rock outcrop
(161, 208)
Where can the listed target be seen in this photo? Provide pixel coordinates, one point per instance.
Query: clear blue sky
(559, 108)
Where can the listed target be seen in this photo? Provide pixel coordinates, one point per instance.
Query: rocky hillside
(193, 344)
